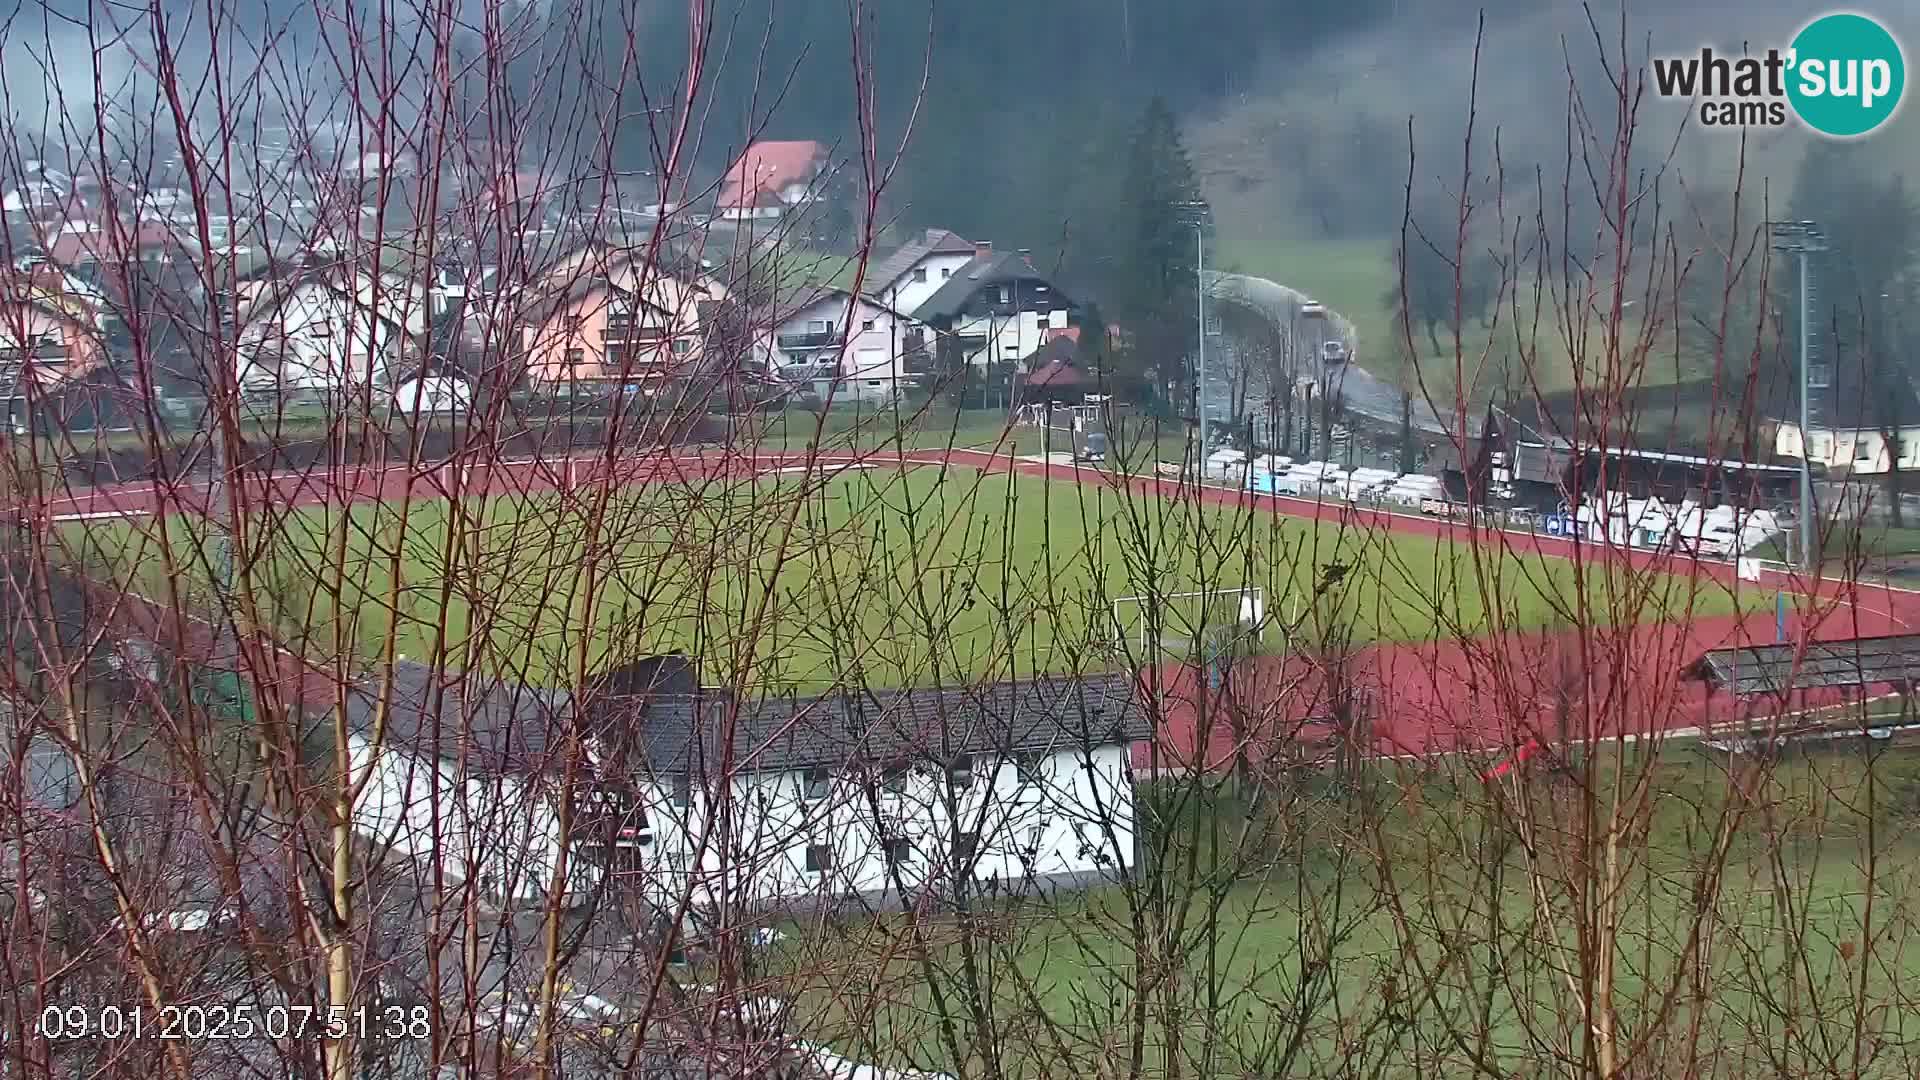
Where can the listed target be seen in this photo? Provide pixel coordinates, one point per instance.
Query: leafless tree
(648, 733)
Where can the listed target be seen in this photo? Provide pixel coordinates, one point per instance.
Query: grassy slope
(906, 577)
(858, 987)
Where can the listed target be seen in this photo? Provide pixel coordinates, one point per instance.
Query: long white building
(886, 799)
(684, 798)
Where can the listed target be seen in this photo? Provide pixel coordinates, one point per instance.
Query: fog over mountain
(1022, 101)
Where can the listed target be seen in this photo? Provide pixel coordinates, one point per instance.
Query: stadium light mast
(1801, 239)
(1199, 215)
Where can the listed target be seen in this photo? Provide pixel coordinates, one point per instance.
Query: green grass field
(1319, 917)
(883, 575)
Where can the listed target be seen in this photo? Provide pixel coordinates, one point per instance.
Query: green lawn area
(932, 427)
(1416, 936)
(892, 576)
(1867, 544)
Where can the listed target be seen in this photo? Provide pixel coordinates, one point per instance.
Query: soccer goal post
(1182, 622)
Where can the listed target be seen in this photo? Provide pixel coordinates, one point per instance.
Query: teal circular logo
(1846, 75)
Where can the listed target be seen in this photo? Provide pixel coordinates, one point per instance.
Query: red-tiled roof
(68, 248)
(766, 168)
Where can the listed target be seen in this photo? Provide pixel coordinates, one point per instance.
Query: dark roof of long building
(1776, 669)
(652, 710)
(493, 723)
(689, 733)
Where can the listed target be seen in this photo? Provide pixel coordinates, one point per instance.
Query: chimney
(983, 249)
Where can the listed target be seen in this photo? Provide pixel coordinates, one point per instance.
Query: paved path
(1487, 693)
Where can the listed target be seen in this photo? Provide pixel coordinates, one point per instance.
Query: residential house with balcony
(994, 310)
(597, 336)
(831, 341)
(54, 366)
(324, 331)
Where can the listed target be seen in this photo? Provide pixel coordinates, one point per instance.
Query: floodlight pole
(1200, 211)
(1803, 238)
(1200, 365)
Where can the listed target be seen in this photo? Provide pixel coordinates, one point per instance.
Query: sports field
(883, 575)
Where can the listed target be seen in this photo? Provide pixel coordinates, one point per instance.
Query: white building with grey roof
(881, 800)
(695, 799)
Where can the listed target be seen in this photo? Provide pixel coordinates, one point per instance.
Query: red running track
(1488, 694)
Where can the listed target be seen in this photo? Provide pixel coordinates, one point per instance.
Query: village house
(887, 799)
(830, 800)
(994, 310)
(833, 342)
(1858, 429)
(95, 248)
(596, 334)
(467, 771)
(47, 335)
(327, 330)
(53, 362)
(771, 179)
(907, 277)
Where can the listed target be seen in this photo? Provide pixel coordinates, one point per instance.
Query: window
(819, 858)
(682, 789)
(874, 383)
(816, 326)
(920, 273)
(866, 324)
(624, 860)
(575, 323)
(682, 346)
(816, 784)
(576, 357)
(893, 780)
(677, 860)
(960, 771)
(1003, 294)
(1029, 770)
(965, 847)
(899, 852)
(946, 272)
(1033, 841)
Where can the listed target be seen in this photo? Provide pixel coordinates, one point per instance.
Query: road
(1363, 392)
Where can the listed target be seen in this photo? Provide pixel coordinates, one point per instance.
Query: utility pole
(1804, 238)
